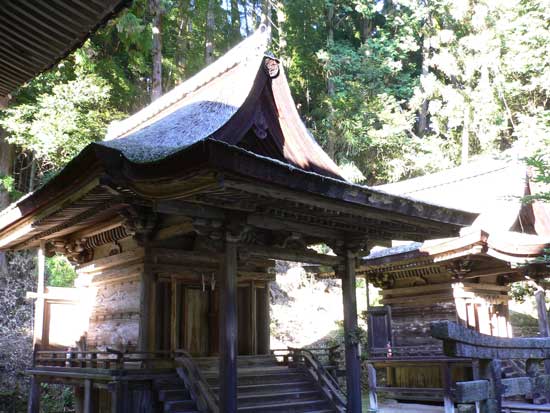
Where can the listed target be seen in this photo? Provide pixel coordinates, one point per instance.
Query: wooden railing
(310, 360)
(199, 389)
(406, 352)
(109, 359)
(488, 388)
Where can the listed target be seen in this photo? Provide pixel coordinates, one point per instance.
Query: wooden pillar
(544, 328)
(253, 319)
(266, 321)
(119, 396)
(88, 396)
(228, 328)
(145, 299)
(351, 339)
(34, 396)
(40, 290)
(173, 314)
(447, 395)
(78, 399)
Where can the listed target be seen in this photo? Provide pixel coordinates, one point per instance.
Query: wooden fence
(487, 390)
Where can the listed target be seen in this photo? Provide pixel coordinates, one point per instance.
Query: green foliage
(56, 398)
(364, 80)
(60, 272)
(59, 124)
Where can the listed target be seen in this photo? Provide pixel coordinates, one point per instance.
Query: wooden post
(88, 396)
(544, 329)
(266, 322)
(447, 396)
(253, 319)
(228, 328)
(367, 288)
(173, 314)
(373, 398)
(40, 290)
(491, 370)
(34, 396)
(78, 399)
(119, 396)
(353, 363)
(145, 295)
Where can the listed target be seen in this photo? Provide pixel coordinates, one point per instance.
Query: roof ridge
(257, 43)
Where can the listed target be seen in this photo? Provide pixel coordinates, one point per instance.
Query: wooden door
(195, 324)
(182, 318)
(379, 327)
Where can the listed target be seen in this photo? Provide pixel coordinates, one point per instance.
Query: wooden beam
(189, 209)
(228, 328)
(274, 224)
(288, 254)
(353, 362)
(381, 211)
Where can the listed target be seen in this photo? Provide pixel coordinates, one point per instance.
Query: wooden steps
(174, 396)
(264, 386)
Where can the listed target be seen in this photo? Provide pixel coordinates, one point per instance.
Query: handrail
(73, 358)
(327, 383)
(200, 391)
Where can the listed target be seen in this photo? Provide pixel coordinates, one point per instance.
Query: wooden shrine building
(465, 279)
(174, 222)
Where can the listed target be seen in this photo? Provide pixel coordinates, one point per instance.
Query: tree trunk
(245, 10)
(6, 159)
(422, 124)
(465, 136)
(156, 13)
(183, 38)
(330, 146)
(235, 20)
(266, 12)
(209, 33)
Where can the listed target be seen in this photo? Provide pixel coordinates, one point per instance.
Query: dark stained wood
(228, 328)
(288, 254)
(34, 396)
(353, 362)
(88, 396)
(253, 317)
(264, 331)
(544, 327)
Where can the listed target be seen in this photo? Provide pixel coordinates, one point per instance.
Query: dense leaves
(395, 88)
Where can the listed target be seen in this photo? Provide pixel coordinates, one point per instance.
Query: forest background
(390, 88)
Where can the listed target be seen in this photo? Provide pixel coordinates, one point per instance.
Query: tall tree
(156, 51)
(235, 21)
(209, 32)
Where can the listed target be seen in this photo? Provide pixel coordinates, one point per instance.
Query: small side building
(465, 279)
